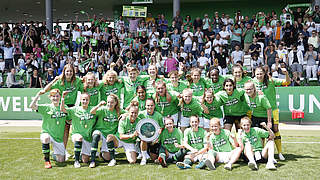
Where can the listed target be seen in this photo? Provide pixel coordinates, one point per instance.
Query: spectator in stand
(270, 55)
(1, 80)
(316, 14)
(302, 42)
(197, 23)
(206, 23)
(216, 23)
(237, 55)
(235, 36)
(288, 34)
(178, 20)
(76, 33)
(170, 64)
(153, 37)
(207, 47)
(311, 57)
(164, 44)
(50, 75)
(200, 35)
(187, 38)
(282, 53)
(11, 80)
(225, 35)
(175, 39)
(222, 61)
(8, 55)
(163, 23)
(299, 14)
(277, 33)
(267, 30)
(314, 39)
(187, 22)
(254, 48)
(133, 25)
(296, 61)
(229, 22)
(285, 17)
(35, 80)
(203, 61)
(217, 42)
(248, 35)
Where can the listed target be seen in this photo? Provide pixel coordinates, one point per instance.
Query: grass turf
(22, 159)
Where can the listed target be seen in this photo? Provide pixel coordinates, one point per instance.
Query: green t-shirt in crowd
(53, 121)
(106, 90)
(142, 103)
(195, 139)
(198, 88)
(94, 94)
(169, 139)
(214, 109)
(130, 88)
(107, 121)
(235, 104)
(181, 86)
(167, 108)
(155, 116)
(217, 86)
(193, 108)
(248, 38)
(82, 121)
(127, 128)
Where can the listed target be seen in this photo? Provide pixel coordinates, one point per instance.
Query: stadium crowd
(191, 77)
(287, 40)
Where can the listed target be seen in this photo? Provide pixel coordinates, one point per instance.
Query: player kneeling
(194, 138)
(223, 146)
(126, 136)
(253, 149)
(53, 122)
(171, 148)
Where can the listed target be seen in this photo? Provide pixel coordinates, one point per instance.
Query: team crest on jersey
(170, 141)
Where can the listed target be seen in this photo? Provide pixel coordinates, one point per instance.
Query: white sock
(144, 154)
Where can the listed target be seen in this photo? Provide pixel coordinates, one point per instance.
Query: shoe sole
(181, 165)
(228, 168)
(252, 166)
(210, 165)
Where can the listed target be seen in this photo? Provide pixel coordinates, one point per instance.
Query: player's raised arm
(94, 109)
(33, 104)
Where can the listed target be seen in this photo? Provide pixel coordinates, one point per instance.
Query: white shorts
(224, 157)
(175, 119)
(207, 123)
(196, 158)
(128, 147)
(104, 147)
(185, 121)
(58, 148)
(86, 145)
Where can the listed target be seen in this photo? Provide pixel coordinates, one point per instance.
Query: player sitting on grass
(194, 142)
(107, 124)
(171, 144)
(82, 127)
(223, 146)
(253, 149)
(53, 123)
(126, 136)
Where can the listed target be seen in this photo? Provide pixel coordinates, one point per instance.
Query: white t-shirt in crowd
(237, 56)
(208, 50)
(203, 61)
(188, 40)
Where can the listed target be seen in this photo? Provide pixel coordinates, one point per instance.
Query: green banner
(14, 103)
(305, 99)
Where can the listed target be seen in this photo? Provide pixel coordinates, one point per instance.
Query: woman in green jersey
(239, 77)
(126, 136)
(174, 84)
(108, 114)
(141, 97)
(194, 139)
(234, 104)
(253, 148)
(222, 145)
(267, 85)
(151, 80)
(196, 83)
(211, 108)
(82, 126)
(68, 81)
(92, 87)
(110, 84)
(53, 123)
(216, 82)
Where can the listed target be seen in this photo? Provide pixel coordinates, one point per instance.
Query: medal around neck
(148, 130)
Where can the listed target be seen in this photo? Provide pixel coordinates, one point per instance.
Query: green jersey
(235, 104)
(94, 94)
(198, 88)
(169, 139)
(214, 109)
(130, 89)
(142, 103)
(107, 121)
(259, 105)
(106, 90)
(193, 108)
(270, 90)
(53, 121)
(155, 116)
(167, 108)
(240, 84)
(217, 86)
(74, 87)
(195, 139)
(255, 138)
(181, 86)
(221, 142)
(150, 85)
(82, 121)
(127, 128)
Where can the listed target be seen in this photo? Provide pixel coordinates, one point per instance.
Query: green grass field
(22, 159)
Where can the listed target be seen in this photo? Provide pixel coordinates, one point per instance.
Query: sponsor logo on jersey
(170, 141)
(58, 115)
(86, 117)
(196, 140)
(114, 91)
(232, 102)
